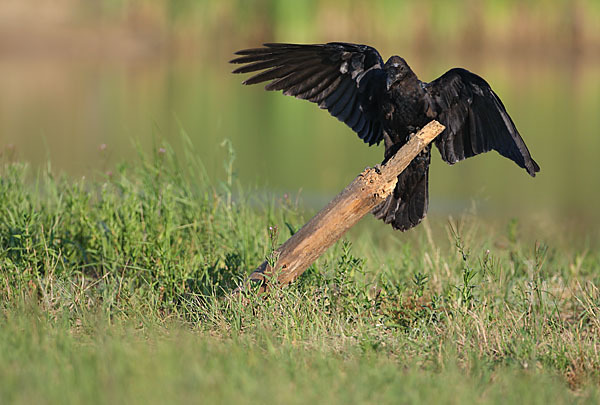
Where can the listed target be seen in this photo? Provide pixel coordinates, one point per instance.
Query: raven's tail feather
(407, 205)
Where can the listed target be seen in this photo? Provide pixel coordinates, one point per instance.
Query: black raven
(388, 102)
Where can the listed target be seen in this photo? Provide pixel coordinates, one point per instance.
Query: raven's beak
(389, 82)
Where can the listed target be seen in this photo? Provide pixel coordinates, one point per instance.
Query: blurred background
(82, 81)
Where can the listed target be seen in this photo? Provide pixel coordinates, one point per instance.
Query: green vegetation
(464, 23)
(115, 290)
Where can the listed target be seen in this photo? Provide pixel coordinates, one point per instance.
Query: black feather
(327, 74)
(387, 101)
(476, 120)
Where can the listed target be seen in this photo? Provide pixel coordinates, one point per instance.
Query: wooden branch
(360, 197)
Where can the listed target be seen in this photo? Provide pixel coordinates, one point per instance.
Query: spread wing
(475, 119)
(343, 78)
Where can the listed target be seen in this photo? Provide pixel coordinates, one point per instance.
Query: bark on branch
(360, 197)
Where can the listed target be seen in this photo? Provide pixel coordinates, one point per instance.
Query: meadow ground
(114, 290)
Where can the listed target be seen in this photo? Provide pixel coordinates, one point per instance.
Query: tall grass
(116, 289)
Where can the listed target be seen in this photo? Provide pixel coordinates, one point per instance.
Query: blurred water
(62, 108)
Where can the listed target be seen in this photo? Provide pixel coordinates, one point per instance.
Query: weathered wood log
(360, 197)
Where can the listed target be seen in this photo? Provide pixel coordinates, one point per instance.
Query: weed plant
(117, 288)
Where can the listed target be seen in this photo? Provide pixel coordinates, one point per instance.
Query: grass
(115, 290)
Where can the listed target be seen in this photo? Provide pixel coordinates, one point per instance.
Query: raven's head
(397, 71)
